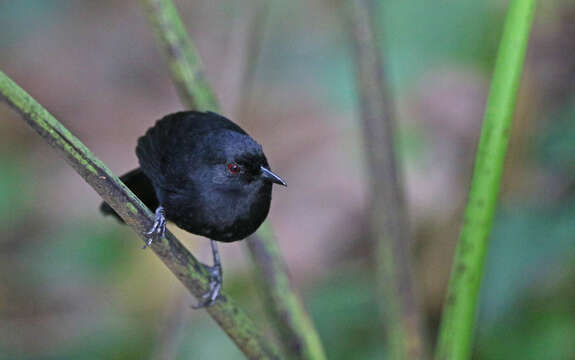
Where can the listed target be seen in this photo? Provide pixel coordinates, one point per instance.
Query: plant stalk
(389, 223)
(459, 312)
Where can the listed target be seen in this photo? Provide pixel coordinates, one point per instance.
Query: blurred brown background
(76, 285)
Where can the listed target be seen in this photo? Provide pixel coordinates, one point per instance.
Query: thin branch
(294, 327)
(296, 331)
(389, 223)
(458, 320)
(298, 335)
(173, 254)
(181, 55)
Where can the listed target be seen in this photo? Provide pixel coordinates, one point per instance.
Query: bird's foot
(216, 281)
(158, 230)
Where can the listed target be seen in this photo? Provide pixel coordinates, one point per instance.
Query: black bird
(205, 174)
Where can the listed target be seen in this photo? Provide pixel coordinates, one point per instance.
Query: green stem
(298, 336)
(181, 55)
(175, 256)
(458, 321)
(388, 223)
(295, 329)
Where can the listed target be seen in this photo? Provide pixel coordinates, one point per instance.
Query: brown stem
(389, 224)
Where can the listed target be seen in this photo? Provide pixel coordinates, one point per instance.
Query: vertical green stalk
(456, 332)
(298, 335)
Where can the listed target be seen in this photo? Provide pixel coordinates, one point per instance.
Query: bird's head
(237, 162)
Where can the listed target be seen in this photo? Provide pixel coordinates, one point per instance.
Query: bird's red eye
(234, 168)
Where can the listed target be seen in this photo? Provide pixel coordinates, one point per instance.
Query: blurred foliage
(345, 313)
(37, 13)
(15, 191)
(540, 327)
(556, 143)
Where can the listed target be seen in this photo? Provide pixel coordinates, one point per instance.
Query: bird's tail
(140, 185)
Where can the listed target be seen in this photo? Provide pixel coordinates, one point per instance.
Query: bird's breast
(222, 216)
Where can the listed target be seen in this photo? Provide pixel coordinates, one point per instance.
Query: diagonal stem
(173, 254)
(296, 331)
(182, 57)
(298, 335)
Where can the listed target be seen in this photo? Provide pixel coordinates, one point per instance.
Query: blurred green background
(76, 285)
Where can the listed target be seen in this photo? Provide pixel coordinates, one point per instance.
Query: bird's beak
(270, 176)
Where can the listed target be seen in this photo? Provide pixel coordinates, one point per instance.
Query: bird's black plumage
(205, 174)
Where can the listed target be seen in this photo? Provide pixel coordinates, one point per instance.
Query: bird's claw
(158, 230)
(216, 280)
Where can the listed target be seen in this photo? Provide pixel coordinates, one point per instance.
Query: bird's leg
(216, 279)
(158, 230)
